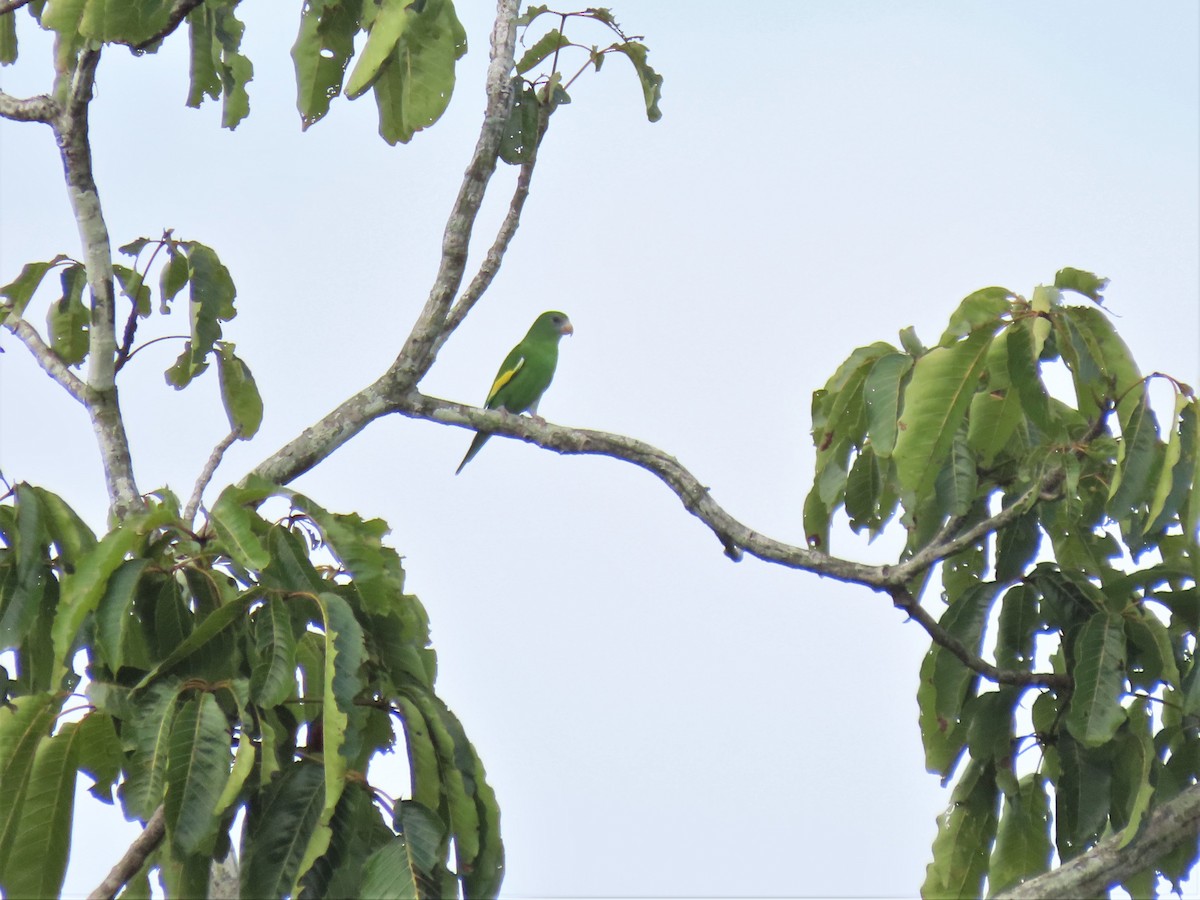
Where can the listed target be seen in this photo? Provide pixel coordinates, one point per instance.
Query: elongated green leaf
(935, 404)
(1026, 379)
(321, 54)
(212, 293)
(1100, 362)
(38, 860)
(651, 81)
(174, 276)
(965, 831)
(274, 673)
(1153, 642)
(83, 588)
(1016, 547)
(881, 391)
(133, 287)
(425, 841)
(280, 825)
(115, 618)
(206, 632)
(519, 141)
(146, 778)
(358, 831)
(343, 656)
(239, 392)
(31, 571)
(388, 873)
(1136, 458)
(121, 20)
(1082, 796)
(957, 482)
(24, 723)
(8, 48)
(994, 416)
(1095, 712)
(391, 21)
(1167, 476)
(414, 86)
(543, 47)
(197, 770)
(1132, 783)
(1023, 840)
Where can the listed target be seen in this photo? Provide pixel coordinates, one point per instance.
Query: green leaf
(1165, 487)
(935, 403)
(197, 770)
(212, 627)
(1081, 282)
(957, 482)
(519, 141)
(1082, 796)
(358, 831)
(100, 753)
(236, 525)
(115, 617)
(1095, 712)
(83, 588)
(965, 831)
(1151, 638)
(389, 873)
(983, 309)
(174, 276)
(24, 723)
(1026, 378)
(68, 320)
(132, 286)
(1022, 847)
(651, 81)
(1136, 458)
(1100, 362)
(343, 656)
(239, 392)
(38, 860)
(280, 823)
(413, 88)
(30, 572)
(71, 535)
(8, 40)
(546, 45)
(1132, 784)
(212, 294)
(124, 21)
(1016, 547)
(18, 292)
(145, 779)
(1020, 620)
(274, 677)
(881, 392)
(243, 765)
(391, 21)
(321, 54)
(425, 838)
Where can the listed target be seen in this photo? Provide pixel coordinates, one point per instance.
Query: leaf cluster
(259, 665)
(1092, 569)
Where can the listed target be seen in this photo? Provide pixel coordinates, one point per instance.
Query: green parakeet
(525, 374)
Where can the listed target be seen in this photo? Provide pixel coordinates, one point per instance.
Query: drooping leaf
(982, 309)
(115, 617)
(391, 21)
(1095, 712)
(965, 831)
(1091, 286)
(30, 572)
(236, 525)
(1082, 796)
(146, 777)
(651, 81)
(100, 753)
(197, 770)
(1022, 847)
(18, 292)
(24, 723)
(239, 392)
(38, 860)
(322, 53)
(280, 824)
(389, 873)
(881, 391)
(518, 143)
(549, 43)
(274, 676)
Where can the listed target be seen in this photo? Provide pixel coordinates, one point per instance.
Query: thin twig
(206, 474)
(135, 857)
(178, 13)
(905, 601)
(7, 6)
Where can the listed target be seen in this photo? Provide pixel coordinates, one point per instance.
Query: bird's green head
(552, 324)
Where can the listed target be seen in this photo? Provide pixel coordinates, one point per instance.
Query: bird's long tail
(476, 445)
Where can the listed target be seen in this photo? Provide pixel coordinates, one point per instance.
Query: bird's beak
(567, 328)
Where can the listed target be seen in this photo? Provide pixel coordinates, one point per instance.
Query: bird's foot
(537, 418)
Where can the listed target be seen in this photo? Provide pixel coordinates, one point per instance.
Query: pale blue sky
(655, 719)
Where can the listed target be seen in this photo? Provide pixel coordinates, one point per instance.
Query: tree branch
(41, 108)
(206, 474)
(419, 351)
(1091, 874)
(135, 857)
(905, 601)
(48, 359)
(7, 6)
(71, 133)
(178, 13)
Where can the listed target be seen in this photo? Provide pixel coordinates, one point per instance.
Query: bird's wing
(506, 374)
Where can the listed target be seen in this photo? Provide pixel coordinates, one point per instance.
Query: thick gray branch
(1107, 864)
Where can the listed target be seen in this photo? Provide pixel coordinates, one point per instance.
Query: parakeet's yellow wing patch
(504, 378)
